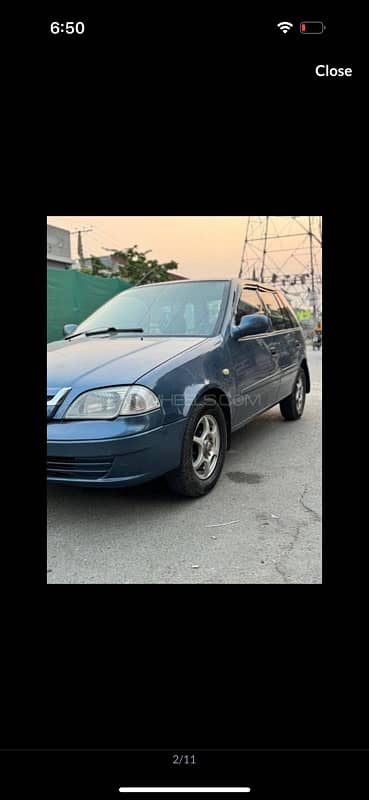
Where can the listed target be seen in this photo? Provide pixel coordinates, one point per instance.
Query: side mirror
(69, 329)
(251, 325)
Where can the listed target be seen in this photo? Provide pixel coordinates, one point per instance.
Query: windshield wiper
(106, 330)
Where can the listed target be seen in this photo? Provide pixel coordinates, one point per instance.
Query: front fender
(178, 404)
(213, 390)
(180, 387)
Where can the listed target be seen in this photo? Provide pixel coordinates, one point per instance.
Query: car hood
(109, 361)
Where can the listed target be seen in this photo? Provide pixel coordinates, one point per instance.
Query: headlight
(114, 402)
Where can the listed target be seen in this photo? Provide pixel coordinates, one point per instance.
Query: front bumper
(116, 460)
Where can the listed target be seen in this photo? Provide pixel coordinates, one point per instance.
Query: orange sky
(202, 246)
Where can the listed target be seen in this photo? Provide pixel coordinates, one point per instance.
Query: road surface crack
(279, 568)
(307, 508)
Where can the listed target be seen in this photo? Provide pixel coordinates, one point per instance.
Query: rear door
(274, 311)
(254, 366)
(293, 351)
(283, 343)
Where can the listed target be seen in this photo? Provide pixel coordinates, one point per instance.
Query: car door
(253, 362)
(293, 348)
(283, 343)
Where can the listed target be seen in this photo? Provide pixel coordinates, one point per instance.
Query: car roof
(184, 282)
(241, 281)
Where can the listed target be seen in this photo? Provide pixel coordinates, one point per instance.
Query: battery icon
(311, 27)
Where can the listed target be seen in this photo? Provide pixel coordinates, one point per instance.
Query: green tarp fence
(73, 295)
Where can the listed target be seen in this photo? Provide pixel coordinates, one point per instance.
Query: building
(58, 248)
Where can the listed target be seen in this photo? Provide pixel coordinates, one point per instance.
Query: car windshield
(177, 309)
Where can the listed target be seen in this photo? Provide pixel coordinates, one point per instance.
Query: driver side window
(249, 303)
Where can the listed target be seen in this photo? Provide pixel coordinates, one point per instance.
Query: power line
(108, 236)
(102, 233)
(96, 240)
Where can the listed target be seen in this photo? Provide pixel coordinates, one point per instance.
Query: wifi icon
(285, 26)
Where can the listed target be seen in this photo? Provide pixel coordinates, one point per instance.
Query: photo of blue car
(157, 379)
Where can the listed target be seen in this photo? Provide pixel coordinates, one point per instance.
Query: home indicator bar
(195, 789)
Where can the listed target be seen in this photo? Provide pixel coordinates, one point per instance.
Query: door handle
(273, 350)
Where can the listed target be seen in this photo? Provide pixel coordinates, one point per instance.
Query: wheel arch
(222, 401)
(305, 367)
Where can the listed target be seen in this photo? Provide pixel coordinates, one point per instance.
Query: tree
(135, 267)
(97, 267)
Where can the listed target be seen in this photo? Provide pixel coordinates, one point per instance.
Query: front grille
(83, 468)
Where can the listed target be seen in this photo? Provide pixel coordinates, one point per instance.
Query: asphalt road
(260, 524)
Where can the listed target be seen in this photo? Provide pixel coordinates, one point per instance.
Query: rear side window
(249, 303)
(279, 321)
(287, 310)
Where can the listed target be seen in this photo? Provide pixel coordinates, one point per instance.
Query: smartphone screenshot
(200, 168)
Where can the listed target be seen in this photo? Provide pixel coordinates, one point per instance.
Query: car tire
(292, 407)
(203, 449)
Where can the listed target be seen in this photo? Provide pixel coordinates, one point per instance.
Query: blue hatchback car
(157, 379)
